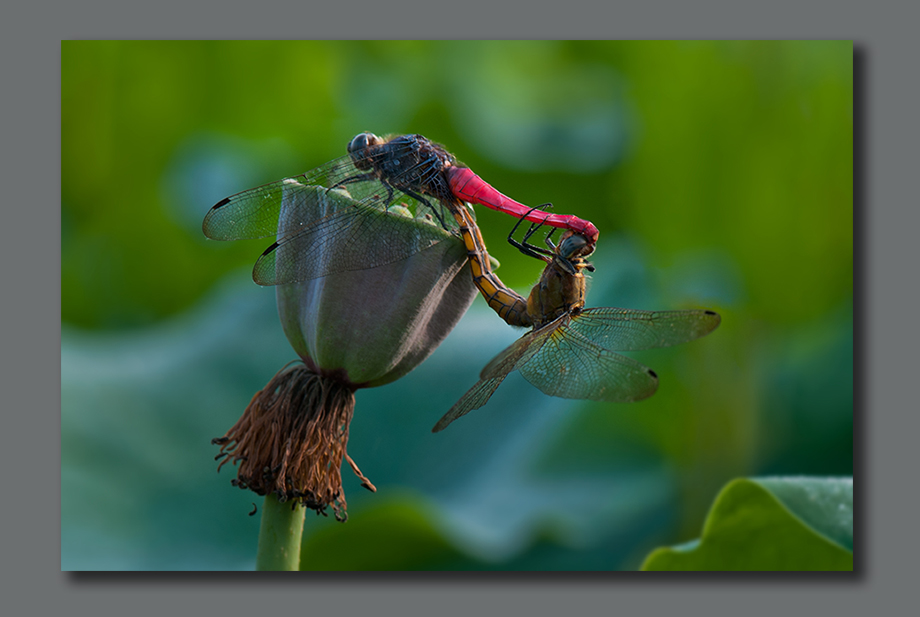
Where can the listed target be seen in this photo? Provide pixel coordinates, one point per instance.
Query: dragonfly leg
(425, 202)
(390, 192)
(528, 249)
(359, 178)
(549, 240)
(525, 247)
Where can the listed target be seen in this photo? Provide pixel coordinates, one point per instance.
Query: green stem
(279, 535)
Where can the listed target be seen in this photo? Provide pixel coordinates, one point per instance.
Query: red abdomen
(467, 186)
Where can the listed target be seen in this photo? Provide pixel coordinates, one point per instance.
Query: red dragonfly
(569, 351)
(407, 171)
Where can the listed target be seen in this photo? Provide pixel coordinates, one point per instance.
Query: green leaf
(771, 524)
(393, 535)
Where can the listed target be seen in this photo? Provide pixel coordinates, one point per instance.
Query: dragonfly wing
(254, 213)
(490, 378)
(629, 330)
(246, 215)
(320, 230)
(475, 397)
(520, 351)
(568, 365)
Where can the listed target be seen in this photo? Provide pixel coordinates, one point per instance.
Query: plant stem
(279, 535)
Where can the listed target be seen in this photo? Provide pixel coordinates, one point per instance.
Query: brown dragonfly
(569, 353)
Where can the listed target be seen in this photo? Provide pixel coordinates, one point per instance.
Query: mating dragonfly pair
(569, 352)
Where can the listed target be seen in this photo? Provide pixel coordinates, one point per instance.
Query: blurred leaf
(808, 398)
(394, 535)
(771, 524)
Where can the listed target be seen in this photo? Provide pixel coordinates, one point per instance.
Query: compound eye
(571, 243)
(361, 142)
(359, 150)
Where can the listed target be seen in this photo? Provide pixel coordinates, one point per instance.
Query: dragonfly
(408, 173)
(570, 351)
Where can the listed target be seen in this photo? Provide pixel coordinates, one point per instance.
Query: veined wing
(498, 369)
(339, 235)
(569, 365)
(630, 330)
(254, 213)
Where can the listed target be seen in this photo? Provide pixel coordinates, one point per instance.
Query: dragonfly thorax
(410, 163)
(561, 290)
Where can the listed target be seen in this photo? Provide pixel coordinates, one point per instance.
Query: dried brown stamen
(292, 438)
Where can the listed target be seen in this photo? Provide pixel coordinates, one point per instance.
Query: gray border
(31, 111)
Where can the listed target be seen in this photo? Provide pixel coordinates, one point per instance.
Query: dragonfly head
(358, 149)
(572, 250)
(574, 246)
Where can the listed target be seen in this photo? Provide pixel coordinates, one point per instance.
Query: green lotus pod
(372, 326)
(359, 327)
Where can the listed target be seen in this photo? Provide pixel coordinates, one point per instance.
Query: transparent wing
(532, 340)
(629, 330)
(568, 365)
(254, 213)
(475, 397)
(341, 235)
(499, 367)
(562, 361)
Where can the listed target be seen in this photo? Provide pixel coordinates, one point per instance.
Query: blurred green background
(719, 174)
